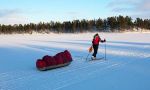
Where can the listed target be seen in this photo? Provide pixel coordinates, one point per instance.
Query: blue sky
(26, 11)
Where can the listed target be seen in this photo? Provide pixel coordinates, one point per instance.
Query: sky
(34, 11)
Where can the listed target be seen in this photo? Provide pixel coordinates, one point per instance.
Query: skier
(95, 44)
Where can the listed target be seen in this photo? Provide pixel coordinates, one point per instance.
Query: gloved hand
(104, 40)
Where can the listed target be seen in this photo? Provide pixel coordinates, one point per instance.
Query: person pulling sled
(95, 44)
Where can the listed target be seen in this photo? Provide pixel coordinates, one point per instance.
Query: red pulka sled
(51, 62)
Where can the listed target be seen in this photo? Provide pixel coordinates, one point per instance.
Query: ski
(102, 58)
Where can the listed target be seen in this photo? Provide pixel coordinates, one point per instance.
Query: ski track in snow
(119, 55)
(60, 81)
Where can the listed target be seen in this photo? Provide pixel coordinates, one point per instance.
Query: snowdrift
(51, 62)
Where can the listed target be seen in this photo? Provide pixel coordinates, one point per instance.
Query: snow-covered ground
(127, 66)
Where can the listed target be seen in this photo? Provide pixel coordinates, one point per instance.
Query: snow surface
(127, 66)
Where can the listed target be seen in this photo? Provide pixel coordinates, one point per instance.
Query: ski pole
(87, 56)
(105, 50)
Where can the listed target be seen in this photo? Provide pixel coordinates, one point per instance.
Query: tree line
(110, 24)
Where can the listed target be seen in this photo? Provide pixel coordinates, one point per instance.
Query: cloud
(12, 16)
(139, 8)
(14, 19)
(8, 12)
(144, 5)
(119, 10)
(141, 15)
(120, 3)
